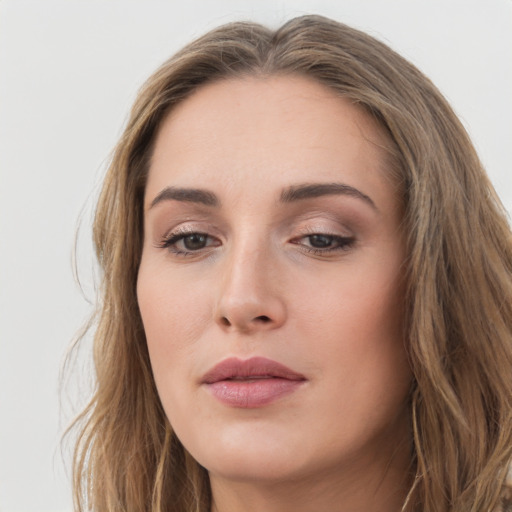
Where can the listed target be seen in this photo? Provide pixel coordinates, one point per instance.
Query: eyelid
(177, 233)
(323, 226)
(343, 237)
(189, 226)
(343, 243)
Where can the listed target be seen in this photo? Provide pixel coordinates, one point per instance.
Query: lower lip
(251, 394)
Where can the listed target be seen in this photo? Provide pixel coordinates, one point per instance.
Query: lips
(252, 382)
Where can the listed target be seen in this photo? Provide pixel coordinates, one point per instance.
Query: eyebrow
(312, 190)
(188, 195)
(288, 195)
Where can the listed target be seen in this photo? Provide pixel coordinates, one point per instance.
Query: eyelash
(343, 243)
(170, 241)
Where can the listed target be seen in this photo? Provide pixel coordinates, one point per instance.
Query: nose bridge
(250, 298)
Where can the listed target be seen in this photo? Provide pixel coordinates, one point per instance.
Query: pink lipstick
(252, 382)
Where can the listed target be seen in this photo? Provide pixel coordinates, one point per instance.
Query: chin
(253, 467)
(249, 455)
(257, 457)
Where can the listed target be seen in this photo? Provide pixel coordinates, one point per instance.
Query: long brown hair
(459, 275)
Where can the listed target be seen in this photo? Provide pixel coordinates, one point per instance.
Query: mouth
(251, 383)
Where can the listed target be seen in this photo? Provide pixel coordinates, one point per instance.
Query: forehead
(281, 129)
(231, 102)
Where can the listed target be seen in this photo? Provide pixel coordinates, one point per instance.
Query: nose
(251, 294)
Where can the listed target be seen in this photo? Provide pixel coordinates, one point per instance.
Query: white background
(69, 71)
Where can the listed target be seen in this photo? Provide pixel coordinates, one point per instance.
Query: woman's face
(270, 285)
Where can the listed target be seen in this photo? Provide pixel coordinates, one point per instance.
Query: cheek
(171, 307)
(175, 317)
(359, 303)
(353, 329)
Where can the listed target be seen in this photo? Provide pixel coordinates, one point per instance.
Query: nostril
(225, 321)
(245, 323)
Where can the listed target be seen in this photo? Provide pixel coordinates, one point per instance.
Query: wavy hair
(459, 280)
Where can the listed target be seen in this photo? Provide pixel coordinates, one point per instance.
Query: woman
(307, 289)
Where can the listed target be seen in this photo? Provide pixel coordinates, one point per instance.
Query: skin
(253, 287)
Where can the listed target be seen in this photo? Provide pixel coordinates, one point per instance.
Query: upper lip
(255, 367)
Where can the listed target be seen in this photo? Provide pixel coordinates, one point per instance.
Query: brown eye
(324, 244)
(320, 241)
(186, 243)
(195, 241)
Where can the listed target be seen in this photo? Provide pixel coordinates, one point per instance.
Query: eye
(187, 242)
(194, 241)
(321, 243)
